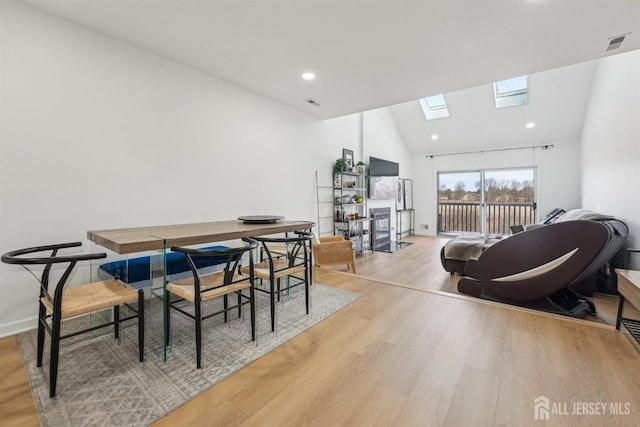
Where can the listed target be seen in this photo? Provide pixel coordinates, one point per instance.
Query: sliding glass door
(460, 202)
(485, 201)
(509, 199)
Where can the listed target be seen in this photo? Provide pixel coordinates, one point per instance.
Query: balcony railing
(465, 217)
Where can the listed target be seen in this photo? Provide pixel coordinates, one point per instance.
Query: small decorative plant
(362, 167)
(341, 165)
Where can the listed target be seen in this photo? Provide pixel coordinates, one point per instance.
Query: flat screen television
(380, 167)
(383, 181)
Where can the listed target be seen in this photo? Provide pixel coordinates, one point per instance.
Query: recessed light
(530, 125)
(308, 76)
(434, 137)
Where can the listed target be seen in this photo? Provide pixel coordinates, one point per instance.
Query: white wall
(557, 177)
(611, 143)
(382, 140)
(96, 134)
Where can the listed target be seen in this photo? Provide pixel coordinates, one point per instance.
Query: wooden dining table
(159, 237)
(163, 237)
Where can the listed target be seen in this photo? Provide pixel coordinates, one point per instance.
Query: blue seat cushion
(139, 269)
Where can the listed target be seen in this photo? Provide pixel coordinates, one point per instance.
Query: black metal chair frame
(233, 265)
(298, 253)
(55, 329)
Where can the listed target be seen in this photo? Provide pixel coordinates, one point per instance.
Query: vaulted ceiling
(556, 105)
(368, 54)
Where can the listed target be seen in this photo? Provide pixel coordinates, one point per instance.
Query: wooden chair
(294, 262)
(334, 250)
(74, 301)
(202, 288)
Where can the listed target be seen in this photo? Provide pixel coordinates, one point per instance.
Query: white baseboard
(19, 326)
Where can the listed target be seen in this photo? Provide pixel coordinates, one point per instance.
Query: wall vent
(313, 102)
(615, 42)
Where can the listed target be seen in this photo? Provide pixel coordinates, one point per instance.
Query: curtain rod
(544, 147)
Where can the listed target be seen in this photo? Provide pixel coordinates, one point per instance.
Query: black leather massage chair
(538, 268)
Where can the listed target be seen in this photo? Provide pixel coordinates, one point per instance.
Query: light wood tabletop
(138, 239)
(629, 285)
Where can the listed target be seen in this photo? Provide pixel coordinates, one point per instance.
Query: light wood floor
(407, 353)
(418, 266)
(16, 406)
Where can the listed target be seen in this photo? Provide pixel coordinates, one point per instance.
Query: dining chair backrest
(19, 257)
(287, 257)
(232, 256)
(297, 247)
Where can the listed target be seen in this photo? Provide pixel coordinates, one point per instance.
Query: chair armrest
(16, 256)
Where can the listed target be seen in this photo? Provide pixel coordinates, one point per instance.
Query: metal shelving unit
(350, 210)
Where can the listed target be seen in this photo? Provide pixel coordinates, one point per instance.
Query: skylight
(434, 107)
(511, 92)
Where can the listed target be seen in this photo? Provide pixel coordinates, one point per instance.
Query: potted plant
(340, 166)
(361, 167)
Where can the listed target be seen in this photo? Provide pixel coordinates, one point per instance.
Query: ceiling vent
(313, 102)
(615, 42)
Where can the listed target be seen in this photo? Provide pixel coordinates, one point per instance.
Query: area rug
(101, 383)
